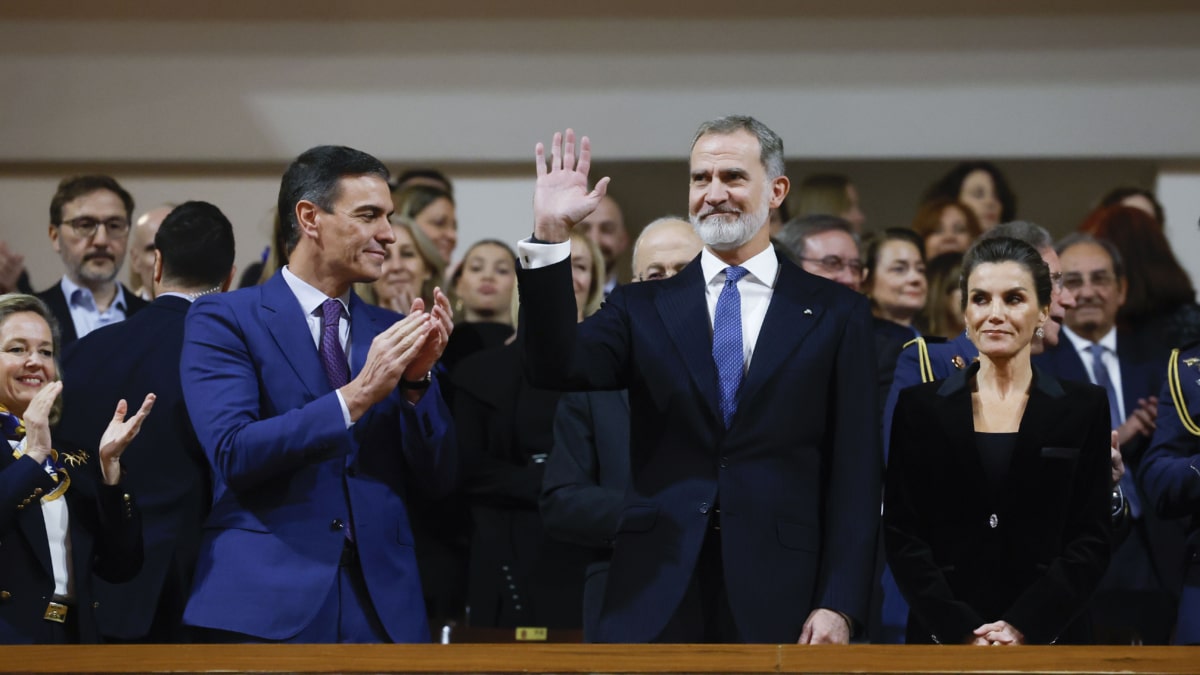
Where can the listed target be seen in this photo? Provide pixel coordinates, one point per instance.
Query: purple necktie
(332, 355)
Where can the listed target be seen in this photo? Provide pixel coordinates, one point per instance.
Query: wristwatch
(417, 385)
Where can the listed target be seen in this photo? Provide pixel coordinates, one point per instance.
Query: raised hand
(561, 198)
(119, 434)
(389, 357)
(441, 328)
(37, 421)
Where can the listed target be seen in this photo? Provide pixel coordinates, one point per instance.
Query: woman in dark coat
(997, 499)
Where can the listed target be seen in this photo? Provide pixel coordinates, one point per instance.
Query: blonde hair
(15, 303)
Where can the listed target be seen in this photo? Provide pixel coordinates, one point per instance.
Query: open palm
(561, 197)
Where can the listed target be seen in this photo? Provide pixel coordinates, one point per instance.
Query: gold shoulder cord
(923, 361)
(1177, 394)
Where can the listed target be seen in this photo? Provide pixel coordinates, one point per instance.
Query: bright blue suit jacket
(288, 474)
(797, 475)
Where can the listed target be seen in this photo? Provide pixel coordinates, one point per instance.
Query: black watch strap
(418, 385)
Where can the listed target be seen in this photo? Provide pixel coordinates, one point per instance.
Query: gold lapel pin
(958, 362)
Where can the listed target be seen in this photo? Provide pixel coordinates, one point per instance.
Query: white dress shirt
(1109, 342)
(310, 300)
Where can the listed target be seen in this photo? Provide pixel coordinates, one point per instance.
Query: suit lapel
(958, 425)
(286, 323)
(684, 310)
(1042, 411)
(791, 314)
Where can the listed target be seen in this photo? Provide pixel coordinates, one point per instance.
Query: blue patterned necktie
(332, 355)
(727, 342)
(1102, 378)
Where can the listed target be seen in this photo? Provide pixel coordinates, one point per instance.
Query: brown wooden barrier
(551, 658)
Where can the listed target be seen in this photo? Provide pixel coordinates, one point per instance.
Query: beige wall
(180, 104)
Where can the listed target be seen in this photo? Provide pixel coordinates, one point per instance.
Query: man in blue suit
(755, 469)
(317, 413)
(165, 465)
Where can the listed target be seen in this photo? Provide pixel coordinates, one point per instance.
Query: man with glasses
(1135, 601)
(89, 229)
(826, 246)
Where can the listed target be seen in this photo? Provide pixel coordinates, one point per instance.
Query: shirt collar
(78, 296)
(762, 268)
(309, 296)
(1083, 345)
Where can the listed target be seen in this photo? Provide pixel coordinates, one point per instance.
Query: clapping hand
(119, 434)
(561, 198)
(37, 421)
(440, 327)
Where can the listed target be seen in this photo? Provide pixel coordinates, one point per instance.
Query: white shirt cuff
(534, 256)
(345, 409)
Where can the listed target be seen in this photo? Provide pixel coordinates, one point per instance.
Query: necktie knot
(331, 312)
(1096, 349)
(734, 274)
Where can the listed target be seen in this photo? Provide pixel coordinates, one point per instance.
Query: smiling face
(1099, 293)
(486, 284)
(1002, 310)
(354, 235)
(91, 261)
(26, 360)
(403, 271)
(730, 195)
(897, 284)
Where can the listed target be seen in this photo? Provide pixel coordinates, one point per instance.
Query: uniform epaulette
(923, 361)
(1174, 384)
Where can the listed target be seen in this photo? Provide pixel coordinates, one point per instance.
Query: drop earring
(1040, 332)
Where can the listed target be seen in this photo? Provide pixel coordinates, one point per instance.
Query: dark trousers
(704, 614)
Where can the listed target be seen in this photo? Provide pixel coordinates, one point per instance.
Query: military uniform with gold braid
(1170, 474)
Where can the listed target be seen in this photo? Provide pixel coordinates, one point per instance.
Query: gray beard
(723, 232)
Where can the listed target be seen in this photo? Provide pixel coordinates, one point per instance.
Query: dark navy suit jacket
(164, 466)
(288, 474)
(1170, 479)
(796, 476)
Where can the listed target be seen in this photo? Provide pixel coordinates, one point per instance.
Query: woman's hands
(37, 422)
(998, 633)
(119, 434)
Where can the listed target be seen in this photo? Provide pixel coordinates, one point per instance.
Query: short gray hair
(794, 234)
(769, 142)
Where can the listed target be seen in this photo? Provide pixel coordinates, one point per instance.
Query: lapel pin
(958, 362)
(808, 311)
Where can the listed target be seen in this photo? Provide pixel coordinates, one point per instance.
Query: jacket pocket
(1060, 453)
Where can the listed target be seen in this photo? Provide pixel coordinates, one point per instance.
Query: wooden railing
(554, 658)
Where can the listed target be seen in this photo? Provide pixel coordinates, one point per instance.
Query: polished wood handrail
(510, 658)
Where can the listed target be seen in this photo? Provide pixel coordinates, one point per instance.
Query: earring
(1040, 332)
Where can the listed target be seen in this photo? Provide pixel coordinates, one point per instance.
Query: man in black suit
(165, 465)
(89, 229)
(587, 473)
(1135, 601)
(754, 500)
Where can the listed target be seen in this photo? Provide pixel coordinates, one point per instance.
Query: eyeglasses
(834, 264)
(1101, 280)
(86, 226)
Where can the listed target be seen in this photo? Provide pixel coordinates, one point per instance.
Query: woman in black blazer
(996, 505)
(63, 515)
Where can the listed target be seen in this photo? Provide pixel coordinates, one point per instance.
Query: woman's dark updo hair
(1002, 250)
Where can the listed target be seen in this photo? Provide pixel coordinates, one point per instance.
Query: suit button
(704, 508)
(96, 605)
(337, 524)
(993, 521)
(5, 595)
(37, 491)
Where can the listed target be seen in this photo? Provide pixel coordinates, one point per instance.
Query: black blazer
(796, 476)
(57, 302)
(165, 465)
(1030, 554)
(105, 537)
